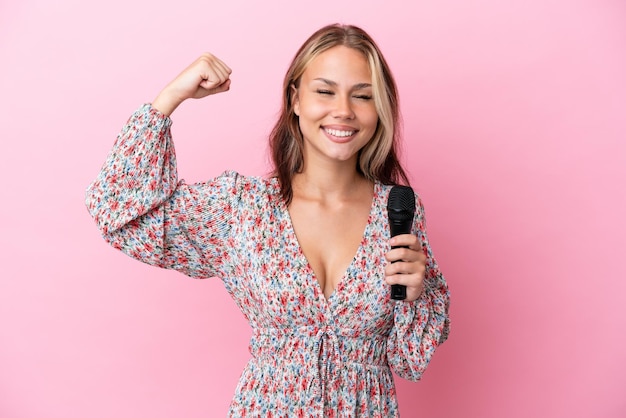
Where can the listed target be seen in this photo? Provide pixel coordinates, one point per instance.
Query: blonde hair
(378, 159)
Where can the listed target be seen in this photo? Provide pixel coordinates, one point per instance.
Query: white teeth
(341, 134)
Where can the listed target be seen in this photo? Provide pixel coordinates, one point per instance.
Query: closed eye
(321, 91)
(363, 97)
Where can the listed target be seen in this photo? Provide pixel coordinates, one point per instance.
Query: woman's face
(335, 106)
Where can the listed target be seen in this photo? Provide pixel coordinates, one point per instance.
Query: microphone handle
(398, 291)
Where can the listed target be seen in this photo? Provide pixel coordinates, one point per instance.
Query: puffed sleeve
(422, 325)
(143, 210)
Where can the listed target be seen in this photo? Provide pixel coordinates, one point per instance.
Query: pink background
(515, 123)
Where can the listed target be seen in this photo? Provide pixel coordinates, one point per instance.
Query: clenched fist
(205, 76)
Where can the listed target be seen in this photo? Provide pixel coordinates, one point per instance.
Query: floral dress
(311, 356)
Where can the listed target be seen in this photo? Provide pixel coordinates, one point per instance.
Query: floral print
(311, 356)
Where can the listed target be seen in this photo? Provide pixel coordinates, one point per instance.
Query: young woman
(306, 253)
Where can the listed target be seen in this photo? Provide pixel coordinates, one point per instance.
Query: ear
(295, 100)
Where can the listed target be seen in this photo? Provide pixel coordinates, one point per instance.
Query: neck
(329, 182)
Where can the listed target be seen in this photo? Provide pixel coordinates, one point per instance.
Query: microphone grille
(401, 199)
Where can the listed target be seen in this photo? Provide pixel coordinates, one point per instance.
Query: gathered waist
(312, 344)
(325, 362)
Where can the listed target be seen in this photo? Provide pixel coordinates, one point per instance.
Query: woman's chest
(276, 283)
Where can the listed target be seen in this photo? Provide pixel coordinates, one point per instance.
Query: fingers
(406, 267)
(414, 282)
(408, 280)
(405, 240)
(225, 86)
(215, 62)
(214, 69)
(214, 75)
(414, 252)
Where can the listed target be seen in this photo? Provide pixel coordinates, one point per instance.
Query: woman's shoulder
(244, 187)
(252, 183)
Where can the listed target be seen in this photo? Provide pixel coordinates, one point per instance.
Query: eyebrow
(358, 86)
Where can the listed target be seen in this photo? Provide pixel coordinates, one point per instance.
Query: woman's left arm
(421, 322)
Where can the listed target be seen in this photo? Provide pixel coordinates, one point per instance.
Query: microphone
(401, 211)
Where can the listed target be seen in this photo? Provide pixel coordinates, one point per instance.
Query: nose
(343, 108)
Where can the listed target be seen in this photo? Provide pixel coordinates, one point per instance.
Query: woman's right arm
(137, 201)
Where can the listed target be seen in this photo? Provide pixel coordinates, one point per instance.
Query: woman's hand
(409, 267)
(205, 76)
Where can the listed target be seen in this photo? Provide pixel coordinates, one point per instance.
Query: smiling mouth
(339, 133)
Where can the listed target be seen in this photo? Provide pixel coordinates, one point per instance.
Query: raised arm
(137, 201)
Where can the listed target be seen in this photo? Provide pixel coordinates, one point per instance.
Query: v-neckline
(310, 273)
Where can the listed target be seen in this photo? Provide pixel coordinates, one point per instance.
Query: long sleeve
(143, 210)
(422, 325)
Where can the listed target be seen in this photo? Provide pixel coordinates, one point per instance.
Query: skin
(331, 200)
